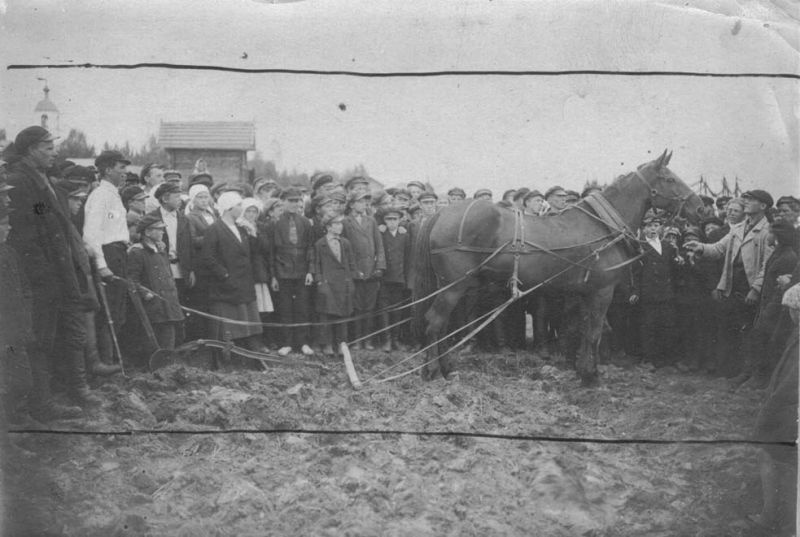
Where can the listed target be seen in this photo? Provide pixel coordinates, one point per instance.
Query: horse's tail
(425, 281)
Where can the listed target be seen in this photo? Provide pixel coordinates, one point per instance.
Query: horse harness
(518, 245)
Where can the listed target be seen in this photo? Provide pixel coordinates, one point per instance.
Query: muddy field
(202, 458)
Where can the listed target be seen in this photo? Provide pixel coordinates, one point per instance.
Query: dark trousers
(391, 295)
(293, 308)
(736, 324)
(117, 294)
(657, 326)
(48, 320)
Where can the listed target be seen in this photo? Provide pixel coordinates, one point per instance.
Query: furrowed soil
(196, 453)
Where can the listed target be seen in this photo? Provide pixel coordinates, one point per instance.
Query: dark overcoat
(782, 261)
(654, 274)
(291, 261)
(184, 248)
(365, 238)
(397, 249)
(150, 268)
(50, 249)
(334, 278)
(227, 261)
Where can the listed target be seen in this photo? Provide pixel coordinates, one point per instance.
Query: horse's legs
(593, 312)
(438, 316)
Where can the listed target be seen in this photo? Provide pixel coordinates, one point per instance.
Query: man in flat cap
(357, 183)
(415, 188)
(178, 240)
(788, 209)
(53, 259)
(152, 175)
(456, 194)
(556, 197)
(482, 194)
(361, 230)
(105, 230)
(291, 275)
(744, 250)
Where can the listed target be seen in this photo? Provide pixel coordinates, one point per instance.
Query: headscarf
(228, 200)
(194, 190)
(244, 222)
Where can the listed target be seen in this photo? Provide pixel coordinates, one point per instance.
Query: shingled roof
(238, 135)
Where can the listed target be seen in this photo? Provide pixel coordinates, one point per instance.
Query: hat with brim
(110, 158)
(759, 195)
(427, 196)
(555, 190)
(133, 192)
(417, 184)
(264, 182)
(202, 178)
(149, 221)
(357, 180)
(457, 191)
(319, 181)
(270, 204)
(390, 212)
(358, 196)
(482, 192)
(166, 188)
(291, 193)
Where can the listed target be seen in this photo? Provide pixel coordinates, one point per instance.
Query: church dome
(46, 105)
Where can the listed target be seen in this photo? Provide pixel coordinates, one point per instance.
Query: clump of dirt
(224, 453)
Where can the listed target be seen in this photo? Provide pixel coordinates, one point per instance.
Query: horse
(585, 249)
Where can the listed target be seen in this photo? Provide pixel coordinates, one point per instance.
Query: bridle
(656, 194)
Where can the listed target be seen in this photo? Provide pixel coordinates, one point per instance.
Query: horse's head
(668, 192)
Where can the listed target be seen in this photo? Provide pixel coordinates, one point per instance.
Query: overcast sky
(476, 131)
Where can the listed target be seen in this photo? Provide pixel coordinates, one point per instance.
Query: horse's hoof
(452, 375)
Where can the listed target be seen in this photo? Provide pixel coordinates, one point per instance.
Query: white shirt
(655, 242)
(170, 218)
(105, 221)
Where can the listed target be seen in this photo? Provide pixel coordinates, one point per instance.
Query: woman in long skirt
(226, 255)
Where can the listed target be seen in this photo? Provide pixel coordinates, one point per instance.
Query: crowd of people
(301, 269)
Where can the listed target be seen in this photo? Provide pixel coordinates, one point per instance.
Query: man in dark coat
(653, 288)
(56, 264)
(178, 242)
(291, 257)
(362, 232)
(397, 249)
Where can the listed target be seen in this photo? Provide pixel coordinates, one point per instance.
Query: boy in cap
(397, 249)
(291, 276)
(362, 231)
(333, 268)
(653, 290)
(149, 265)
(134, 200)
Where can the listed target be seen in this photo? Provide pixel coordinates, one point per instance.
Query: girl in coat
(248, 220)
(226, 255)
(333, 267)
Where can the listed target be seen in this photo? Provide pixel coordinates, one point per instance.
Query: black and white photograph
(469, 267)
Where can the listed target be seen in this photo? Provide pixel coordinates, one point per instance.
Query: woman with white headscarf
(251, 209)
(226, 255)
(200, 214)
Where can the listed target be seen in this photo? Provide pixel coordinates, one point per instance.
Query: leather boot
(79, 391)
(366, 328)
